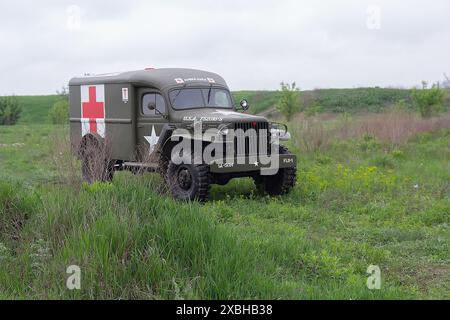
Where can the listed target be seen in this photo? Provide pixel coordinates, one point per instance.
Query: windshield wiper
(209, 93)
(178, 93)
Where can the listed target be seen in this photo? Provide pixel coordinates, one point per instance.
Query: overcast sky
(253, 44)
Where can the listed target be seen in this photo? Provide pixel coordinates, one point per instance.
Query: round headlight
(278, 129)
(223, 130)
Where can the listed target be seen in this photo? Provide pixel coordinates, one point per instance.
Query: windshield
(199, 98)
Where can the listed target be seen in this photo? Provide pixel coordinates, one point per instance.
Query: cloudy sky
(253, 44)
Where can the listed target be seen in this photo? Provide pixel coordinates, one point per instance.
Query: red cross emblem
(93, 109)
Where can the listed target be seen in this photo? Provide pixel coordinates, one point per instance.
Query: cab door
(151, 117)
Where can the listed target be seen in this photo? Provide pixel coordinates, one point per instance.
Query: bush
(289, 102)
(314, 110)
(59, 113)
(428, 101)
(10, 110)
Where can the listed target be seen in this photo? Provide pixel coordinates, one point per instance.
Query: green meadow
(373, 188)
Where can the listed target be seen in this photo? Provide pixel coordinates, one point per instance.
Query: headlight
(223, 130)
(278, 129)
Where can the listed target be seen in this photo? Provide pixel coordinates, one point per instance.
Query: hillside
(35, 108)
(331, 100)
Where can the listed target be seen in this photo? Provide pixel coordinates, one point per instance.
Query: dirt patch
(433, 276)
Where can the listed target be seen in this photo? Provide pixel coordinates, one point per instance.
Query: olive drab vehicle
(182, 123)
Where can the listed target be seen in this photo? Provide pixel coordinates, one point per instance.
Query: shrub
(10, 110)
(428, 101)
(289, 102)
(314, 110)
(59, 113)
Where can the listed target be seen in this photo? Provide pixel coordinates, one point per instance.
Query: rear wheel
(280, 183)
(95, 165)
(188, 182)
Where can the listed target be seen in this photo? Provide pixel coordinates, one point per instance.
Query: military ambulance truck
(138, 120)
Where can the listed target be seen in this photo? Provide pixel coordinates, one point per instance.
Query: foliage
(10, 110)
(313, 110)
(289, 100)
(359, 99)
(428, 101)
(332, 100)
(63, 93)
(259, 101)
(59, 113)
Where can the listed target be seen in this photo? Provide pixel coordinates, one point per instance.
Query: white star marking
(152, 140)
(256, 163)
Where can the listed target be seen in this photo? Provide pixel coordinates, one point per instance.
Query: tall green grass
(359, 201)
(131, 243)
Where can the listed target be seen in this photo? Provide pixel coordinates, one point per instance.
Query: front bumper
(247, 164)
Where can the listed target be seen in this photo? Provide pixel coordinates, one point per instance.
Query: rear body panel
(119, 119)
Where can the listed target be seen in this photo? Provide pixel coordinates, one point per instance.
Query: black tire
(163, 166)
(95, 167)
(280, 183)
(188, 182)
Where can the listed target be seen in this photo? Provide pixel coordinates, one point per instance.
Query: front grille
(251, 138)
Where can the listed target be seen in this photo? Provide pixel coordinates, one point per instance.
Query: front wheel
(188, 182)
(280, 183)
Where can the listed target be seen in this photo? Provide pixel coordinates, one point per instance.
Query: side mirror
(152, 106)
(244, 104)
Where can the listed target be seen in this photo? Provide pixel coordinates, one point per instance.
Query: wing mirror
(152, 106)
(244, 104)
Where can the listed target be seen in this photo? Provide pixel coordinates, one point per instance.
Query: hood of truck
(212, 115)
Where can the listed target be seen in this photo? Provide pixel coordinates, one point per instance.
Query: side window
(152, 101)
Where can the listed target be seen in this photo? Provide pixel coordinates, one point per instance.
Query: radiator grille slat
(253, 142)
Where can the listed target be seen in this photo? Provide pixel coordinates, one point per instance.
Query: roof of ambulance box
(157, 78)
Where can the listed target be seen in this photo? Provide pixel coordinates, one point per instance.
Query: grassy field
(363, 197)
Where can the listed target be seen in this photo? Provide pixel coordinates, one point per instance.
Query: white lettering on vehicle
(225, 165)
(181, 80)
(205, 119)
